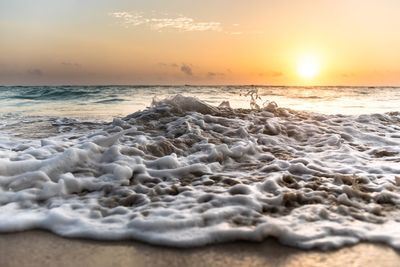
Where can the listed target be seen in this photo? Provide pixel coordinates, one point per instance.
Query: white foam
(184, 173)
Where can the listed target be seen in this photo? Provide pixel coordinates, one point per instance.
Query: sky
(207, 42)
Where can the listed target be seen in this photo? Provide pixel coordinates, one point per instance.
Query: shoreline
(40, 248)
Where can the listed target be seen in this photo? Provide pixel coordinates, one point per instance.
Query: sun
(308, 67)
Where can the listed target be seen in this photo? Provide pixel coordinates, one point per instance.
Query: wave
(56, 93)
(184, 173)
(110, 101)
(307, 97)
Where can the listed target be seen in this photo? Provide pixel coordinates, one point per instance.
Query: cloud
(35, 72)
(180, 23)
(129, 19)
(168, 65)
(211, 74)
(71, 64)
(186, 69)
(184, 24)
(235, 33)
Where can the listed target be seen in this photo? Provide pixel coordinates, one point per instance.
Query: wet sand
(39, 248)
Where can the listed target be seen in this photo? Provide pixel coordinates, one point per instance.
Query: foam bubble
(184, 173)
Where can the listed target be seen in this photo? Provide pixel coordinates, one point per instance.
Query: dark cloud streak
(71, 64)
(36, 72)
(211, 74)
(186, 69)
(168, 65)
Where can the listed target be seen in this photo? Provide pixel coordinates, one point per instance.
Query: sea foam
(184, 173)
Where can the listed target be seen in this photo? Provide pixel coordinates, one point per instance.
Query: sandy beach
(39, 248)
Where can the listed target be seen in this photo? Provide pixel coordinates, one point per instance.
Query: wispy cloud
(129, 19)
(71, 64)
(35, 72)
(212, 74)
(180, 23)
(235, 33)
(186, 69)
(167, 65)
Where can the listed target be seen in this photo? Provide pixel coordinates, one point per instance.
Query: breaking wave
(184, 173)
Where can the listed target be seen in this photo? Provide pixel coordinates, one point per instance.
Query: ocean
(107, 102)
(313, 167)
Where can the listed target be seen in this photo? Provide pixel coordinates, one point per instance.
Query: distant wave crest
(57, 93)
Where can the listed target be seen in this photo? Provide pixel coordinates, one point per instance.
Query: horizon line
(189, 85)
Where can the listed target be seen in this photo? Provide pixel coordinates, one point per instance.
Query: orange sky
(207, 42)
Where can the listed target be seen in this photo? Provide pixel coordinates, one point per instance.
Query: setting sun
(308, 67)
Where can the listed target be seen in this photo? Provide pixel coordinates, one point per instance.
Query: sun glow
(308, 67)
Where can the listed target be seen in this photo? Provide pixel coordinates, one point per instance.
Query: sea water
(188, 166)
